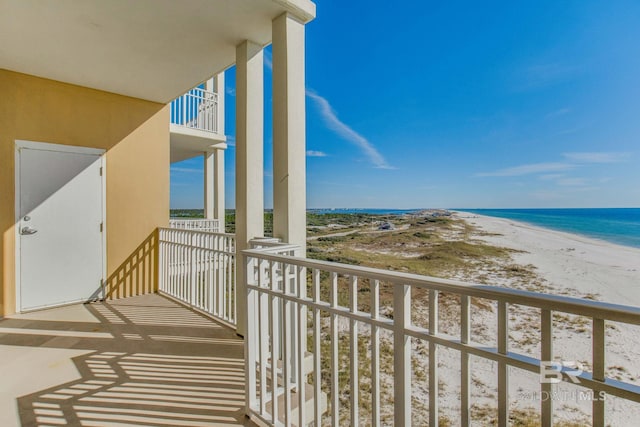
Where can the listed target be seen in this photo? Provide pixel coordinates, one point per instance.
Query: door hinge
(100, 170)
(101, 226)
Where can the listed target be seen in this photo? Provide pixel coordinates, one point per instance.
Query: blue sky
(461, 104)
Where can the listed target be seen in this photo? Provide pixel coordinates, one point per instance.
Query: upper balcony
(197, 123)
(196, 109)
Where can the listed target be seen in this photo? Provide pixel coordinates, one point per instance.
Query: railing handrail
(589, 308)
(200, 93)
(197, 268)
(279, 302)
(178, 218)
(197, 109)
(195, 230)
(173, 219)
(272, 245)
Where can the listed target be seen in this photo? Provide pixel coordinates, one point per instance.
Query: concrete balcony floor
(137, 361)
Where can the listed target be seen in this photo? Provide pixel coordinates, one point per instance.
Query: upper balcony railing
(196, 109)
(208, 225)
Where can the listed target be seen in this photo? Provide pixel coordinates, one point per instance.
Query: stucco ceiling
(149, 49)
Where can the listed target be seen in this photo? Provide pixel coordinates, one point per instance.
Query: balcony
(326, 344)
(196, 109)
(144, 360)
(196, 123)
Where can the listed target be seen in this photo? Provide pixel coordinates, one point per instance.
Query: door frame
(47, 146)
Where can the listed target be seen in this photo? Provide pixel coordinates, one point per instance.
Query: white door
(59, 206)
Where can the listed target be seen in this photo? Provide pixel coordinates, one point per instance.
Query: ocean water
(615, 225)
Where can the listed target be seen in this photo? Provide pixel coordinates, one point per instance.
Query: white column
(214, 207)
(210, 85)
(218, 186)
(289, 157)
(219, 89)
(216, 84)
(209, 185)
(249, 161)
(214, 186)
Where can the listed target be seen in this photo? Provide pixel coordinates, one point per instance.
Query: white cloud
(570, 131)
(529, 169)
(545, 196)
(230, 91)
(558, 113)
(346, 132)
(551, 176)
(597, 157)
(586, 189)
(572, 182)
(313, 153)
(231, 141)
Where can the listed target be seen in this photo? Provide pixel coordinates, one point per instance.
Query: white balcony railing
(351, 334)
(196, 109)
(198, 269)
(208, 225)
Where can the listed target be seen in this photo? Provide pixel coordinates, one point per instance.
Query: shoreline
(565, 260)
(584, 235)
(510, 254)
(581, 267)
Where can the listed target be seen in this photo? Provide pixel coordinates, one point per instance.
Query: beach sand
(581, 267)
(591, 266)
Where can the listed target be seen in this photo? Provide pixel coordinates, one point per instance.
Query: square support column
(218, 188)
(249, 162)
(219, 88)
(214, 207)
(289, 140)
(214, 186)
(209, 186)
(216, 84)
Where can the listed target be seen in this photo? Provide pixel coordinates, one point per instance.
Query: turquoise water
(615, 225)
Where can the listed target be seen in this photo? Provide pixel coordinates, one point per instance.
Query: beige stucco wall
(135, 134)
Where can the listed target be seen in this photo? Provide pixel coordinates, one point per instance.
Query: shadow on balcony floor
(143, 361)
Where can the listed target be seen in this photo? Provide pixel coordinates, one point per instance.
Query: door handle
(25, 231)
